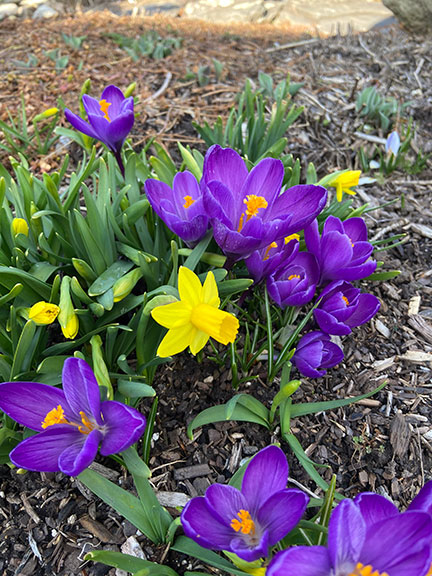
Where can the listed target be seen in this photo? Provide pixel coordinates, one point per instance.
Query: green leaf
(230, 287)
(129, 563)
(133, 389)
(301, 409)
(108, 278)
(219, 414)
(383, 276)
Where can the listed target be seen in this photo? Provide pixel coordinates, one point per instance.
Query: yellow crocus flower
(344, 182)
(43, 313)
(195, 318)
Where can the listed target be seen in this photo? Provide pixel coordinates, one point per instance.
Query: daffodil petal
(199, 341)
(172, 315)
(189, 286)
(210, 294)
(176, 340)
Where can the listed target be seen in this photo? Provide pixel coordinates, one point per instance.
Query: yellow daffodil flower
(20, 226)
(344, 182)
(195, 318)
(43, 313)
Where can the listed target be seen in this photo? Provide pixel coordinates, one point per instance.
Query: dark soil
(49, 522)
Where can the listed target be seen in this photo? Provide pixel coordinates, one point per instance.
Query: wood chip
(97, 529)
(421, 326)
(380, 365)
(421, 229)
(414, 305)
(172, 499)
(192, 471)
(382, 328)
(400, 435)
(417, 356)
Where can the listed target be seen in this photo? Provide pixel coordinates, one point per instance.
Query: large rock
(416, 15)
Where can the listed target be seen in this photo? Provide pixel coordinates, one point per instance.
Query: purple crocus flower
(247, 210)
(342, 250)
(110, 119)
(249, 521)
(314, 353)
(181, 208)
(359, 545)
(262, 263)
(295, 283)
(72, 422)
(342, 307)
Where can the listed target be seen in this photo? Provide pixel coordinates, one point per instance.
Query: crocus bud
(68, 320)
(46, 114)
(43, 313)
(393, 143)
(20, 226)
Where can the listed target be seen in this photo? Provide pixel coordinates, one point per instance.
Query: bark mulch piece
(383, 443)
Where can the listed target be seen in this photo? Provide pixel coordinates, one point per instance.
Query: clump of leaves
(150, 44)
(60, 61)
(74, 42)
(378, 109)
(257, 127)
(205, 73)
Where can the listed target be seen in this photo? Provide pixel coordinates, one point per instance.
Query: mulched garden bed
(384, 443)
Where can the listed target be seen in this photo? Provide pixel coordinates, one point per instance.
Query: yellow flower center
(104, 105)
(218, 324)
(292, 276)
(188, 201)
(361, 570)
(292, 237)
(56, 416)
(246, 525)
(345, 299)
(253, 205)
(266, 253)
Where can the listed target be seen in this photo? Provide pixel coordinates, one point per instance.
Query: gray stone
(8, 9)
(31, 3)
(44, 11)
(416, 15)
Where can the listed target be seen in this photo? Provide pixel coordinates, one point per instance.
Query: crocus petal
(329, 324)
(227, 501)
(115, 97)
(41, 453)
(412, 529)
(81, 389)
(423, 500)
(356, 229)
(346, 535)
(91, 105)
(176, 340)
(79, 124)
(185, 184)
(281, 513)
(220, 204)
(123, 424)
(155, 191)
(266, 474)
(80, 454)
(375, 508)
(200, 524)
(28, 403)
(225, 165)
(251, 551)
(264, 180)
(301, 561)
(304, 202)
(368, 306)
(172, 315)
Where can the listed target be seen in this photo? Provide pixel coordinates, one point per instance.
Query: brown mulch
(382, 444)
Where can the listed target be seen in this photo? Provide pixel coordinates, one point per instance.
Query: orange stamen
(54, 416)
(345, 299)
(188, 201)
(362, 570)
(292, 276)
(266, 253)
(245, 524)
(292, 237)
(87, 425)
(104, 105)
(240, 226)
(253, 204)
